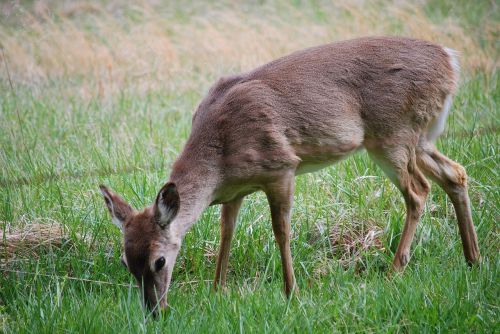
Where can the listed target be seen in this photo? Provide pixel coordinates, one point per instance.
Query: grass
(68, 123)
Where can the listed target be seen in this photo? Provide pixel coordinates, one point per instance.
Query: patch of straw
(31, 239)
(351, 242)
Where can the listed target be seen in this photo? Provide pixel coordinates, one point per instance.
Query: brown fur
(319, 104)
(139, 231)
(299, 113)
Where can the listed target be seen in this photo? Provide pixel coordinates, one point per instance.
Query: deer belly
(305, 167)
(316, 158)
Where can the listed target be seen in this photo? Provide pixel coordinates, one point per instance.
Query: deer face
(150, 246)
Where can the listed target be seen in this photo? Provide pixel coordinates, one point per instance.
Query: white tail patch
(437, 127)
(455, 65)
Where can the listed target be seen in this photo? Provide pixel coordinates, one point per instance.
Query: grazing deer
(294, 115)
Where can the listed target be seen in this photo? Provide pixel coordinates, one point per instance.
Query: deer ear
(167, 204)
(118, 208)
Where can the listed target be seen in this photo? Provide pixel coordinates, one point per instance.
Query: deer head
(150, 248)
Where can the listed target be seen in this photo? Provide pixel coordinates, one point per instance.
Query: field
(103, 92)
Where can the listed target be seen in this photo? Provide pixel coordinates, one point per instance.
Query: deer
(256, 131)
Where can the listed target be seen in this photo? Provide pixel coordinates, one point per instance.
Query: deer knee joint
(456, 175)
(461, 175)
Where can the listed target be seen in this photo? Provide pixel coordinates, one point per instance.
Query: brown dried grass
(350, 242)
(31, 239)
(153, 49)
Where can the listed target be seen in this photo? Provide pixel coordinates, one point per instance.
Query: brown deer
(297, 114)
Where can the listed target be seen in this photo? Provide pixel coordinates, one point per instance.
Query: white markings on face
(168, 250)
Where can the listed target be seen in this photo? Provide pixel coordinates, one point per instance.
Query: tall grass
(102, 92)
(109, 46)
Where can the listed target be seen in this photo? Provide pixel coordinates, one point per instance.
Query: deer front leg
(228, 221)
(280, 197)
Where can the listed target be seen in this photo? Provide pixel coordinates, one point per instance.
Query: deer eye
(159, 263)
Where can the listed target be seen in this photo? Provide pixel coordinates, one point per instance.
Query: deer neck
(196, 183)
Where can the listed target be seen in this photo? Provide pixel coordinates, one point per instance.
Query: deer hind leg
(399, 163)
(452, 177)
(280, 197)
(228, 222)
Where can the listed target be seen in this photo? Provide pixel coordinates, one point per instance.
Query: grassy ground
(103, 93)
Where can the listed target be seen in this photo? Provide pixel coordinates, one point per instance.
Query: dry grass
(350, 242)
(30, 239)
(110, 47)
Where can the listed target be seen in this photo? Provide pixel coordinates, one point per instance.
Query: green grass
(56, 149)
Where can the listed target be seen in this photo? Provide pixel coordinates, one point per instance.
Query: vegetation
(103, 93)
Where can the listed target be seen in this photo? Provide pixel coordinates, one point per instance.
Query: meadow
(103, 92)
